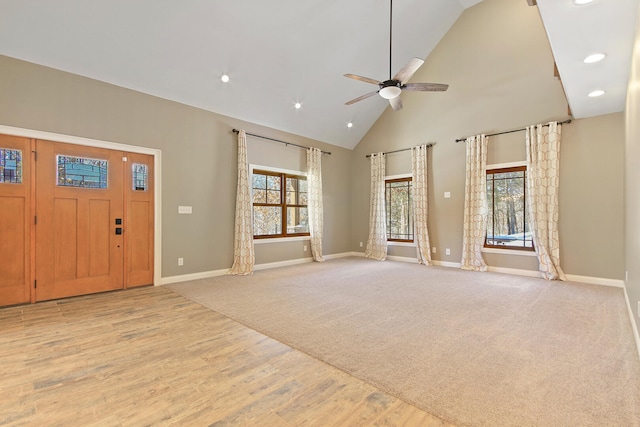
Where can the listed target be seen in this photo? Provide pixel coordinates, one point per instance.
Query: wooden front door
(79, 220)
(15, 219)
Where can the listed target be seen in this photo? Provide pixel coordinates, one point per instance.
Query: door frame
(157, 181)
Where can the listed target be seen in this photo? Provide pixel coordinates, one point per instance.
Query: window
(508, 225)
(10, 165)
(399, 209)
(140, 175)
(279, 205)
(82, 172)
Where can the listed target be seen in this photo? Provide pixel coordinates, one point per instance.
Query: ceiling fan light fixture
(390, 92)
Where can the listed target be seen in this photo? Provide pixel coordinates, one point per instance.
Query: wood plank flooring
(149, 356)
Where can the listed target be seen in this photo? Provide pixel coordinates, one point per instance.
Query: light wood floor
(151, 357)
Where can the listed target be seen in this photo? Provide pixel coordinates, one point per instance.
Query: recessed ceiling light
(224, 78)
(580, 2)
(596, 93)
(297, 105)
(594, 58)
(349, 125)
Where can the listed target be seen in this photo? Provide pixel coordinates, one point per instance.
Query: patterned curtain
(475, 204)
(419, 157)
(377, 241)
(243, 255)
(314, 203)
(543, 179)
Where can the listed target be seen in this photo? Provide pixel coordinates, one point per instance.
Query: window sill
(281, 239)
(508, 252)
(410, 244)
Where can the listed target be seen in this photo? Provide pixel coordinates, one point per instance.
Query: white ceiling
(280, 52)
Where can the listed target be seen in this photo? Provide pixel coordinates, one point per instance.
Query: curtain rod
(277, 140)
(566, 122)
(402, 149)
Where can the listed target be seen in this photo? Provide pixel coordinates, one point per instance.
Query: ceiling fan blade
(425, 87)
(407, 71)
(362, 79)
(396, 103)
(360, 98)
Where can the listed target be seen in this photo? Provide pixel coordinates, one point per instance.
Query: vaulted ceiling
(281, 52)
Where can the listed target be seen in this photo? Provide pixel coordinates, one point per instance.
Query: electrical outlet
(433, 250)
(447, 251)
(304, 248)
(180, 261)
(360, 244)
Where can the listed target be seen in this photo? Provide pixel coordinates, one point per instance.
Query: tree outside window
(508, 225)
(399, 209)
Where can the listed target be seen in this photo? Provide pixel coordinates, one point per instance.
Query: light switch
(447, 195)
(185, 210)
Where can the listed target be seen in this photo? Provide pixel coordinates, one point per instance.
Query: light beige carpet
(472, 348)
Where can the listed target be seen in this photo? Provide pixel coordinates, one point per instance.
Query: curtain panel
(377, 241)
(543, 180)
(419, 159)
(475, 204)
(314, 202)
(243, 251)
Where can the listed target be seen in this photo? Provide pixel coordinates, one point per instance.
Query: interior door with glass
(15, 220)
(80, 215)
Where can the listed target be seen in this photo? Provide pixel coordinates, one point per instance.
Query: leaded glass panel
(82, 172)
(10, 166)
(140, 174)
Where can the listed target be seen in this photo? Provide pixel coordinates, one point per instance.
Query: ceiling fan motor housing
(390, 89)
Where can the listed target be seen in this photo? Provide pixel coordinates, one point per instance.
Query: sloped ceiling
(276, 53)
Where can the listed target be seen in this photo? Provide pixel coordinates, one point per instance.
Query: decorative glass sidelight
(10, 166)
(140, 174)
(82, 172)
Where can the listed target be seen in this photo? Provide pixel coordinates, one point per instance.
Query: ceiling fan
(390, 89)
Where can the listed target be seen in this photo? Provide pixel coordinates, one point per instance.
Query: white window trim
(507, 165)
(280, 239)
(402, 175)
(408, 244)
(252, 167)
(508, 251)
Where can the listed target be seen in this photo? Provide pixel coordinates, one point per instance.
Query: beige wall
(198, 153)
(632, 181)
(498, 63)
(499, 66)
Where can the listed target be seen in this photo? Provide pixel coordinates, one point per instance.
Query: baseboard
(192, 276)
(595, 280)
(450, 264)
(286, 263)
(257, 267)
(632, 319)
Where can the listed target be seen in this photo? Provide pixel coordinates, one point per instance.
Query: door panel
(139, 194)
(15, 220)
(77, 249)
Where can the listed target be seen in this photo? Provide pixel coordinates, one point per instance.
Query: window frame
(506, 168)
(283, 175)
(399, 178)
